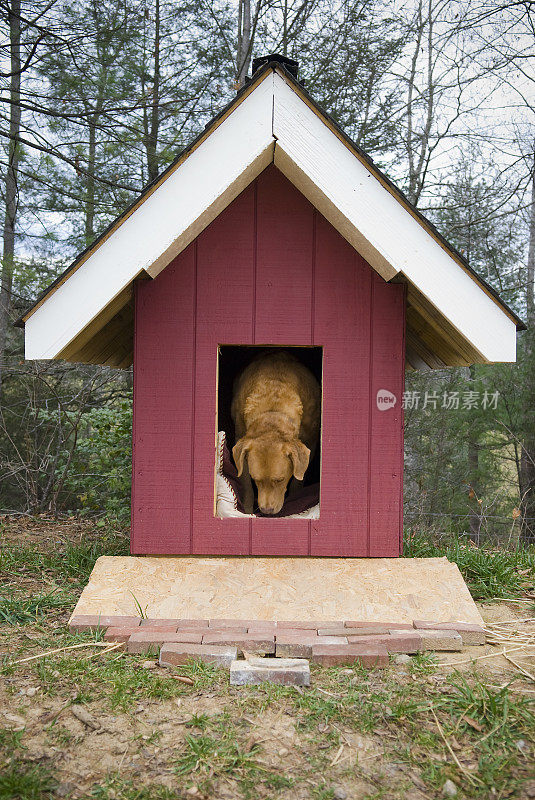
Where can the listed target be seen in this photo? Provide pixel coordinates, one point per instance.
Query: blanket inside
(303, 499)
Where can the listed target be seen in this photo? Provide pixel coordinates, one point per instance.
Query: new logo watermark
(448, 400)
(385, 400)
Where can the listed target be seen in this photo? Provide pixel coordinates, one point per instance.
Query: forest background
(97, 98)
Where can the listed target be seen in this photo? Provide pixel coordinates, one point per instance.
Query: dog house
(271, 230)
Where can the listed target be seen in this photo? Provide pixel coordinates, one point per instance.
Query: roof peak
(289, 64)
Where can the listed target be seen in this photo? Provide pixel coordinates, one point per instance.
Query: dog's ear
(300, 456)
(239, 451)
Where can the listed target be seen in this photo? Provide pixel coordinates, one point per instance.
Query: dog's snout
(268, 510)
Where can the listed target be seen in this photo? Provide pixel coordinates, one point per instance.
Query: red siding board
(269, 270)
(283, 312)
(224, 298)
(388, 317)
(342, 327)
(161, 512)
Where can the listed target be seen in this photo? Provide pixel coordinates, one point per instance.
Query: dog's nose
(268, 510)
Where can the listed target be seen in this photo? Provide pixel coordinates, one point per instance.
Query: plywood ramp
(185, 587)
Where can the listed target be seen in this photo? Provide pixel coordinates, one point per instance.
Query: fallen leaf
(182, 679)
(472, 722)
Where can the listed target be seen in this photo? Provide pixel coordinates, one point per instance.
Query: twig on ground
(337, 756)
(521, 668)
(372, 755)
(112, 646)
(496, 728)
(52, 716)
(509, 599)
(479, 658)
(330, 694)
(470, 777)
(61, 650)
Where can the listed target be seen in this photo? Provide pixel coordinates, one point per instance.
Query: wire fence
(480, 530)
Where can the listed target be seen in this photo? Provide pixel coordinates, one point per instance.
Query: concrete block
(470, 633)
(284, 671)
(298, 632)
(440, 640)
(213, 628)
(192, 623)
(403, 641)
(163, 628)
(262, 626)
(365, 630)
(174, 653)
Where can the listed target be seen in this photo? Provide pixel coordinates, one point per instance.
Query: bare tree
(244, 47)
(151, 113)
(527, 459)
(11, 190)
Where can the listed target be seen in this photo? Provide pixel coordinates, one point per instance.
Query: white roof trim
(163, 225)
(272, 123)
(380, 227)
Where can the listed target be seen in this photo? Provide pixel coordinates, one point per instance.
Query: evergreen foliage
(110, 92)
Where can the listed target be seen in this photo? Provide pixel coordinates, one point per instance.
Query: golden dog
(276, 412)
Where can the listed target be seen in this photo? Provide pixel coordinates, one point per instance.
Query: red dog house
(272, 229)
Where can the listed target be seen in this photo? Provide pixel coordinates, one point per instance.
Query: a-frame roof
(453, 316)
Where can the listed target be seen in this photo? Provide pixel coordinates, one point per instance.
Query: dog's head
(271, 464)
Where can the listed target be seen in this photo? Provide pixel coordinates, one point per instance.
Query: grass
(489, 573)
(121, 680)
(117, 787)
(484, 726)
(219, 738)
(68, 565)
(360, 709)
(21, 781)
(68, 561)
(216, 751)
(17, 609)
(10, 740)
(505, 718)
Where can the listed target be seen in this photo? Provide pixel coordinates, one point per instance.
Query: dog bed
(303, 505)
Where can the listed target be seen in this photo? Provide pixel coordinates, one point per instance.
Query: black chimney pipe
(289, 63)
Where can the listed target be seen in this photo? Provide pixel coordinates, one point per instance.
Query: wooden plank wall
(269, 270)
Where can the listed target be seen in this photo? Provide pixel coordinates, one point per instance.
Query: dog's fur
(276, 412)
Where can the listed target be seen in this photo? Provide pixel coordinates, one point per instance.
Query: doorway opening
(232, 360)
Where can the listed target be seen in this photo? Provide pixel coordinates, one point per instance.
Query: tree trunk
(244, 41)
(153, 130)
(473, 469)
(527, 459)
(11, 191)
(411, 90)
(417, 143)
(90, 182)
(285, 28)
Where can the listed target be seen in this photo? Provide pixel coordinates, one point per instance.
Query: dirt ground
(82, 723)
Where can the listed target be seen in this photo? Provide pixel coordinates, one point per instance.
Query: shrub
(99, 477)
